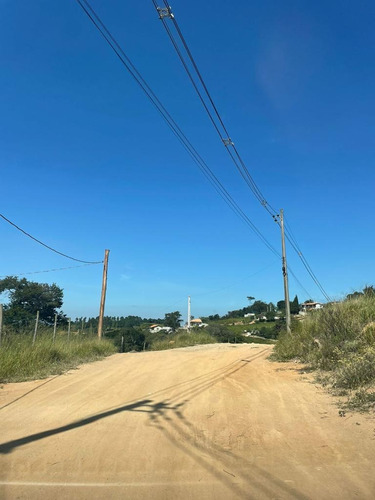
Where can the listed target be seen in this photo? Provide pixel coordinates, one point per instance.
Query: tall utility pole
(104, 290)
(189, 312)
(285, 272)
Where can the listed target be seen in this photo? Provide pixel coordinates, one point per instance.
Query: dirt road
(209, 422)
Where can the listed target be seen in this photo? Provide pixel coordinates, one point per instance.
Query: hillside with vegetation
(338, 342)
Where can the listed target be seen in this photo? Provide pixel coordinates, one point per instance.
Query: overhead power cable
(52, 270)
(207, 172)
(218, 123)
(219, 126)
(290, 237)
(47, 246)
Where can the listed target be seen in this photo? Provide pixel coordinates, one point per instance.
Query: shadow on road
(166, 414)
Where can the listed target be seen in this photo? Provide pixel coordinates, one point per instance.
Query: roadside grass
(198, 336)
(20, 360)
(184, 339)
(339, 341)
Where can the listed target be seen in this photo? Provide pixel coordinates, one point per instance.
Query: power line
(224, 137)
(47, 246)
(167, 13)
(51, 270)
(290, 271)
(290, 237)
(207, 172)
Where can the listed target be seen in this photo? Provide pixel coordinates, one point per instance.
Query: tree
(221, 333)
(28, 297)
(270, 315)
(294, 306)
(281, 305)
(258, 307)
(173, 320)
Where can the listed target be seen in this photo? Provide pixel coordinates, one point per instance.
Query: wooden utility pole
(36, 326)
(1, 321)
(54, 328)
(285, 273)
(104, 290)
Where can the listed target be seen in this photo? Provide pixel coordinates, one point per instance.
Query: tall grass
(339, 339)
(184, 339)
(20, 360)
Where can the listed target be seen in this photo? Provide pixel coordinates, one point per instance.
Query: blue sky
(88, 164)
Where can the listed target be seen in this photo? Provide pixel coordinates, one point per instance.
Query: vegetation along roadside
(338, 342)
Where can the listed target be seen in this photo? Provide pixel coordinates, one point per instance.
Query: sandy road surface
(210, 422)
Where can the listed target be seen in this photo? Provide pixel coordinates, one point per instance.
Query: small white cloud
(125, 277)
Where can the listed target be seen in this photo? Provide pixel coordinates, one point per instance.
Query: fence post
(68, 329)
(54, 329)
(1, 321)
(36, 326)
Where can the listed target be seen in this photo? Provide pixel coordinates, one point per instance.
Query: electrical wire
(225, 138)
(47, 246)
(207, 172)
(307, 266)
(244, 172)
(290, 271)
(290, 237)
(51, 270)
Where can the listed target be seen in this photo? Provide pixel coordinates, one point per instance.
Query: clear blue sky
(88, 164)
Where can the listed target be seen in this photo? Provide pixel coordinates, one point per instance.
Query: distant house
(311, 306)
(160, 328)
(198, 322)
(249, 315)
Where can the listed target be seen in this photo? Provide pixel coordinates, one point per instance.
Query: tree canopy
(28, 297)
(173, 320)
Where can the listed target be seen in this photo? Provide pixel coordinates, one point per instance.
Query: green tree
(173, 320)
(270, 315)
(294, 306)
(128, 338)
(221, 333)
(281, 305)
(258, 307)
(28, 297)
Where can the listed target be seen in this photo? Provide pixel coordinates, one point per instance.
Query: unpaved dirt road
(209, 422)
